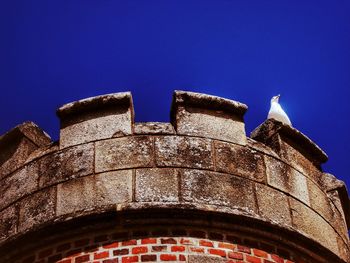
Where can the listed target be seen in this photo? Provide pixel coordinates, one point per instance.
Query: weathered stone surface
(273, 205)
(286, 179)
(35, 134)
(344, 251)
(46, 150)
(20, 183)
(205, 259)
(337, 192)
(37, 208)
(17, 144)
(208, 116)
(114, 187)
(177, 151)
(210, 125)
(239, 160)
(297, 159)
(217, 189)
(266, 132)
(153, 128)
(319, 201)
(8, 223)
(67, 164)
(96, 118)
(260, 147)
(15, 155)
(338, 222)
(293, 147)
(157, 185)
(306, 220)
(95, 129)
(91, 192)
(120, 153)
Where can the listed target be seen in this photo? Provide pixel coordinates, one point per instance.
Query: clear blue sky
(53, 52)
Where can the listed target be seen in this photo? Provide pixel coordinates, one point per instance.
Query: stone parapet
(107, 164)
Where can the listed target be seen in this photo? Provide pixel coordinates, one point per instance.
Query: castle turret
(196, 189)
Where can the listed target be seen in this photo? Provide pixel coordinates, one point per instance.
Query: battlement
(202, 160)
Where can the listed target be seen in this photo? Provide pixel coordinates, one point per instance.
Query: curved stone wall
(202, 162)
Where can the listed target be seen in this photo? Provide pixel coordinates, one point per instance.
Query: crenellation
(289, 143)
(208, 116)
(17, 145)
(96, 118)
(106, 166)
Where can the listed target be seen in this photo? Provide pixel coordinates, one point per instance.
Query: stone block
(286, 179)
(69, 163)
(273, 205)
(176, 151)
(121, 153)
(17, 144)
(16, 155)
(319, 201)
(153, 128)
(208, 116)
(37, 208)
(213, 188)
(239, 160)
(338, 222)
(157, 185)
(313, 225)
(96, 118)
(91, 192)
(114, 187)
(300, 161)
(8, 223)
(21, 183)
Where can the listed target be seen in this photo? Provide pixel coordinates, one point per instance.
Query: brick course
(154, 249)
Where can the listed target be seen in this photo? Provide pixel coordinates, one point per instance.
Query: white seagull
(276, 112)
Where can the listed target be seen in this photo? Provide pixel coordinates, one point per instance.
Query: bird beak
(278, 96)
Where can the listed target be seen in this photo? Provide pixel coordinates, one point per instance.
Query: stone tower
(193, 190)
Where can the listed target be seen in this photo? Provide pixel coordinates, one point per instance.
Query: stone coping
(207, 102)
(98, 103)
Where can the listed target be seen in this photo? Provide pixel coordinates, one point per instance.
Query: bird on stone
(276, 112)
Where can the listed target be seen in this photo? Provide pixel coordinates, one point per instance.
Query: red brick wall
(122, 247)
